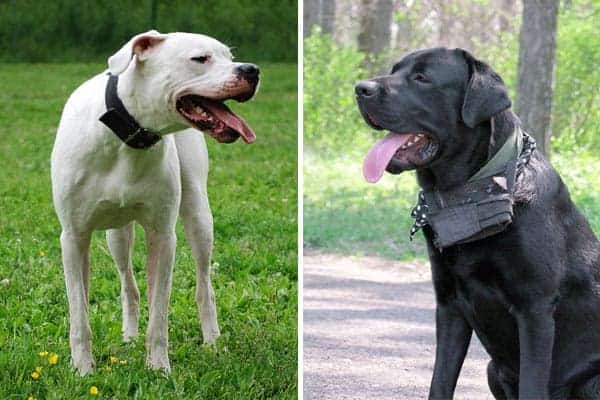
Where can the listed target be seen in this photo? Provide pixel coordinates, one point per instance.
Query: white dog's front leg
(161, 256)
(75, 255)
(198, 225)
(120, 244)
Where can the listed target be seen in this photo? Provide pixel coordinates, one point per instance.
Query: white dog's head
(186, 77)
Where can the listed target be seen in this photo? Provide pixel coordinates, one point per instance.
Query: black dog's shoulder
(541, 191)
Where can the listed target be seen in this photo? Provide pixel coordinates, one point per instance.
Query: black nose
(248, 71)
(367, 88)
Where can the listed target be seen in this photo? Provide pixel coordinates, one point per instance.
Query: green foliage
(254, 272)
(338, 204)
(503, 59)
(576, 103)
(331, 120)
(576, 99)
(92, 30)
(345, 214)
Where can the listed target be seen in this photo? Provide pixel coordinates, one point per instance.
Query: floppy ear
(485, 95)
(138, 45)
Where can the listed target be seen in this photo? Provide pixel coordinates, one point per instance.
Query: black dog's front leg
(536, 339)
(453, 335)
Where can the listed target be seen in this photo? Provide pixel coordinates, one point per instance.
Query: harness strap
(510, 150)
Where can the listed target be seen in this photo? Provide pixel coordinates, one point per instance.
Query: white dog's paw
(210, 328)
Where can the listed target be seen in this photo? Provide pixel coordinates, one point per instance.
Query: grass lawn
(345, 214)
(253, 198)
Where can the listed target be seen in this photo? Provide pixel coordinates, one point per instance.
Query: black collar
(121, 122)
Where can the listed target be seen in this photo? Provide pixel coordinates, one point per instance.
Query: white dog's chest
(133, 186)
(151, 198)
(110, 214)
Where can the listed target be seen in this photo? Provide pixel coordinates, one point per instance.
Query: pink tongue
(380, 155)
(222, 112)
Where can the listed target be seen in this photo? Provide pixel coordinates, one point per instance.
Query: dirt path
(369, 332)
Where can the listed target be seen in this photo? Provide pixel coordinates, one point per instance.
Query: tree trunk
(405, 31)
(506, 12)
(153, 14)
(537, 44)
(327, 16)
(311, 16)
(375, 28)
(345, 21)
(319, 12)
(445, 22)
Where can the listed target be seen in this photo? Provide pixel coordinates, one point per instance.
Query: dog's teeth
(404, 147)
(420, 135)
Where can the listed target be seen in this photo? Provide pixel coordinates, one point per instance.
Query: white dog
(113, 163)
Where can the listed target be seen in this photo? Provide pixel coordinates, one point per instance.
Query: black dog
(529, 283)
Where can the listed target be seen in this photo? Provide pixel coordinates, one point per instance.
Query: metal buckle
(142, 138)
(139, 131)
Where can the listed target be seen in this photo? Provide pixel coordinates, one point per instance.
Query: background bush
(330, 72)
(76, 30)
(576, 104)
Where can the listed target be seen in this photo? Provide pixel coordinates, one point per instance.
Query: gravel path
(369, 332)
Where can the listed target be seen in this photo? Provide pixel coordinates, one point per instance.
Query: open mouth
(215, 118)
(398, 152)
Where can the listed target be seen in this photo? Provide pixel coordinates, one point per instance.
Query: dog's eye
(201, 59)
(420, 78)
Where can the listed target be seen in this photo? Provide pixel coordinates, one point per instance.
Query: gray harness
(481, 207)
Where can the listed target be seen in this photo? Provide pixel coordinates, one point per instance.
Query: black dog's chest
(486, 307)
(495, 328)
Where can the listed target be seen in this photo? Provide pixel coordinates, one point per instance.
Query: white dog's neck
(138, 92)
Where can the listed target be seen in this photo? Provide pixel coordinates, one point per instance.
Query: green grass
(344, 214)
(253, 197)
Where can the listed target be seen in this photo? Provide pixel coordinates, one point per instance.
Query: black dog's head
(430, 103)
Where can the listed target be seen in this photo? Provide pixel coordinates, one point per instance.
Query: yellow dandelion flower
(107, 368)
(52, 358)
(123, 362)
(94, 391)
(31, 398)
(35, 375)
(42, 253)
(113, 359)
(43, 353)
(38, 370)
